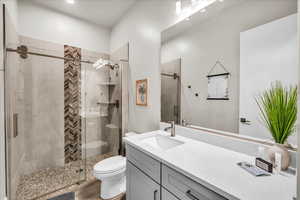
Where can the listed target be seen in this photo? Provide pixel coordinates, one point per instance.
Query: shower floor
(50, 180)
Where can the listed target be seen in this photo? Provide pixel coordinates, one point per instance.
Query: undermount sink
(161, 142)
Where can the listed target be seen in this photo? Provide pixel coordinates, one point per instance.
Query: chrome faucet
(172, 127)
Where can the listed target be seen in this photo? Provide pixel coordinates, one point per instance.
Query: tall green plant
(278, 106)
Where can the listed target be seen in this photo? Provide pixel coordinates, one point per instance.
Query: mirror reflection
(216, 65)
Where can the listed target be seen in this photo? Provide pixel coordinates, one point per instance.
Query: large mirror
(216, 63)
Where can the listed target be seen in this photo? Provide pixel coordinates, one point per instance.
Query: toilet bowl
(111, 173)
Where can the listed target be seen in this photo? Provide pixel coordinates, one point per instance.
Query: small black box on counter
(263, 164)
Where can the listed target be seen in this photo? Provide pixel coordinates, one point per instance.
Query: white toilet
(111, 173)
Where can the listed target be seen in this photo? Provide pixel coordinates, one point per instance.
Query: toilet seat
(110, 165)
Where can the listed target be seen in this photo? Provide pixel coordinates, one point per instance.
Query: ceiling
(196, 19)
(101, 12)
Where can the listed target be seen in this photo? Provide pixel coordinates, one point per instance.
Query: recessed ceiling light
(70, 1)
(203, 10)
(187, 19)
(221, 0)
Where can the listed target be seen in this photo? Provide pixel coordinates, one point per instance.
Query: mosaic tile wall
(72, 108)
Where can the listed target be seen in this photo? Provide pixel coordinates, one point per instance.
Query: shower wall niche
(69, 115)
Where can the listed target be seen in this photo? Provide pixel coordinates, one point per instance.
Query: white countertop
(216, 168)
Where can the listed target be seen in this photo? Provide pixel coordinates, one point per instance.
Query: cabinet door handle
(191, 195)
(155, 194)
(15, 124)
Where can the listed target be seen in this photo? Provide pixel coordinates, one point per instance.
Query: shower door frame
(5, 113)
(124, 105)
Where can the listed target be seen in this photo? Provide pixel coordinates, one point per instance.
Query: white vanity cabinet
(145, 163)
(148, 179)
(139, 186)
(185, 188)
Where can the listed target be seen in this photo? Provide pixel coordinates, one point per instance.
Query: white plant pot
(285, 155)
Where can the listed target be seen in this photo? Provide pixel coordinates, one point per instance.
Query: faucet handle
(172, 123)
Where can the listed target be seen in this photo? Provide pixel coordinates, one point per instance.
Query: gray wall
(61, 28)
(141, 27)
(207, 42)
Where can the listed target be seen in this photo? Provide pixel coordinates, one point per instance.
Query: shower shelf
(107, 103)
(107, 84)
(92, 115)
(111, 126)
(116, 103)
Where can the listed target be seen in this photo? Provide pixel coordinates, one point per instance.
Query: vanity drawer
(144, 162)
(185, 188)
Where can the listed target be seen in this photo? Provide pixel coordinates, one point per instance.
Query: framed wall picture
(142, 92)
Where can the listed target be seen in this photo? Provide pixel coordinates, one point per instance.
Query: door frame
(3, 136)
(298, 126)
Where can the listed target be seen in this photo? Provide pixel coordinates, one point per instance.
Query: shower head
(101, 63)
(104, 63)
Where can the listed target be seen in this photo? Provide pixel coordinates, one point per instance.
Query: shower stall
(63, 115)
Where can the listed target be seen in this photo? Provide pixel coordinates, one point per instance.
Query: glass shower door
(102, 109)
(63, 115)
(46, 136)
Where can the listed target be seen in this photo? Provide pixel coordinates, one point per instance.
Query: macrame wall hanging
(218, 83)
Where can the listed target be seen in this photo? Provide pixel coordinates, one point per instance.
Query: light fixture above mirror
(70, 1)
(186, 8)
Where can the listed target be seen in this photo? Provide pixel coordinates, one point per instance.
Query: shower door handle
(15, 124)
(155, 194)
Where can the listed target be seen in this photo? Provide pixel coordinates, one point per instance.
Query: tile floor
(89, 190)
(48, 180)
